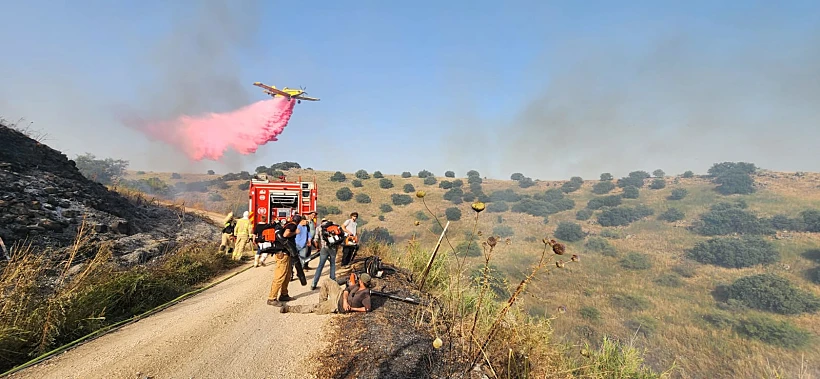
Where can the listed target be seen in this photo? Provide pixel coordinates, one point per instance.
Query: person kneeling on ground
(354, 298)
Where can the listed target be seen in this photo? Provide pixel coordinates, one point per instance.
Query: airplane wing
(271, 89)
(308, 98)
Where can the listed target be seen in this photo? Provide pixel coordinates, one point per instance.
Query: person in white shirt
(349, 227)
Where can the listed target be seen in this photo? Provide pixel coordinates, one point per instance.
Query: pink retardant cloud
(211, 135)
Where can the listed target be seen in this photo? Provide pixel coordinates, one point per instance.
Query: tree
(569, 231)
(659, 173)
(473, 173)
(735, 182)
(406, 174)
(678, 194)
(399, 199)
(732, 252)
(688, 174)
(362, 198)
(424, 173)
(430, 180)
(452, 214)
(385, 183)
(445, 184)
(344, 194)
(634, 179)
(261, 169)
(458, 183)
(602, 188)
(105, 171)
(362, 174)
(211, 172)
(408, 188)
(672, 215)
(658, 183)
(769, 292)
(175, 175)
(526, 183)
(357, 183)
(517, 176)
(630, 192)
(503, 231)
(450, 174)
(385, 208)
(719, 169)
(606, 177)
(378, 174)
(338, 177)
(284, 166)
(498, 206)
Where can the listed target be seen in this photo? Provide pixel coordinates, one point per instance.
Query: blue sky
(407, 86)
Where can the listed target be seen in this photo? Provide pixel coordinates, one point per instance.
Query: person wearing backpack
(281, 275)
(264, 235)
(351, 239)
(330, 237)
(227, 231)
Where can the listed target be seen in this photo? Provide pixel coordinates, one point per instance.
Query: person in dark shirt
(262, 248)
(332, 299)
(282, 272)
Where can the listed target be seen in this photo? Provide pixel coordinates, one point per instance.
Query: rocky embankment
(44, 200)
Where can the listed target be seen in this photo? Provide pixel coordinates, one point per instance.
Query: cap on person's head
(365, 278)
(297, 218)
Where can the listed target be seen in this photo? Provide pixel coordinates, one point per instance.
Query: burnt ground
(387, 342)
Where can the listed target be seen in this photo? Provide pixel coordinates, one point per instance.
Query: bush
(678, 194)
(517, 176)
(503, 231)
(408, 188)
(357, 183)
(605, 201)
(569, 231)
(385, 183)
(452, 194)
(769, 292)
(452, 214)
(658, 183)
(333, 210)
(727, 218)
(630, 192)
(630, 302)
(385, 208)
(430, 180)
(634, 179)
(406, 174)
(612, 233)
(378, 235)
(526, 183)
(362, 198)
(605, 177)
(507, 195)
(424, 173)
(465, 247)
(532, 207)
(734, 252)
(381, 217)
(572, 185)
(338, 177)
(719, 169)
(284, 166)
(449, 174)
(620, 216)
(244, 186)
(583, 214)
(733, 177)
(590, 313)
(636, 261)
(176, 176)
(211, 172)
(378, 174)
(344, 194)
(811, 219)
(458, 183)
(215, 197)
(669, 280)
(778, 333)
(362, 174)
(496, 207)
(600, 245)
(601, 188)
(658, 173)
(445, 184)
(672, 215)
(688, 174)
(401, 199)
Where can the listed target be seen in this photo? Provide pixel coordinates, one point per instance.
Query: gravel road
(227, 331)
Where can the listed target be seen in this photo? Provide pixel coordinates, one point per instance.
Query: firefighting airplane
(289, 93)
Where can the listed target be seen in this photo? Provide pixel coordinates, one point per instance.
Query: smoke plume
(209, 136)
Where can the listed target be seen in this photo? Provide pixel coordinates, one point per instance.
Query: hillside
(638, 280)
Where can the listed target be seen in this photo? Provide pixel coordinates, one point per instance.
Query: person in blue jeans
(326, 253)
(302, 241)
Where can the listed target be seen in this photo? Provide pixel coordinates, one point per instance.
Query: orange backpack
(269, 234)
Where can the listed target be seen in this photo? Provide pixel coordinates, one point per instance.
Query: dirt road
(227, 331)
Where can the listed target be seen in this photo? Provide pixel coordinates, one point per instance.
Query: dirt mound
(44, 199)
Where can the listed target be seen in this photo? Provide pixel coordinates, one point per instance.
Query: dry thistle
(417, 223)
(420, 194)
(478, 206)
(508, 241)
(492, 241)
(574, 257)
(559, 264)
(437, 343)
(479, 233)
(562, 309)
(558, 248)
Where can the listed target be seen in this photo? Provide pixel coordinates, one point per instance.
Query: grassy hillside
(637, 281)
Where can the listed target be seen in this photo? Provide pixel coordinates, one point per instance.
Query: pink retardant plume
(210, 135)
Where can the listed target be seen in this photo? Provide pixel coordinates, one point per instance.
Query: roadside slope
(226, 331)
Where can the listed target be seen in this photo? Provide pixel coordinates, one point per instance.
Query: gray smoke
(682, 105)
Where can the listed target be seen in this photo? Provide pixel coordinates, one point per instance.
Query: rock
(101, 228)
(121, 226)
(70, 213)
(35, 228)
(51, 225)
(51, 190)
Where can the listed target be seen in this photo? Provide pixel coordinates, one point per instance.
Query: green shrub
(612, 233)
(452, 214)
(143, 172)
(672, 215)
(517, 176)
(727, 218)
(569, 231)
(678, 194)
(362, 174)
(602, 188)
(344, 194)
(449, 174)
(362, 198)
(465, 247)
(669, 280)
(572, 185)
(686, 270)
(773, 332)
(507, 195)
(620, 216)
(244, 186)
(408, 188)
(630, 302)
(733, 177)
(378, 174)
(445, 184)
(503, 231)
(430, 180)
(634, 179)
(688, 174)
(811, 218)
(333, 210)
(406, 174)
(734, 252)
(719, 320)
(385, 183)
(424, 173)
(631, 192)
(338, 177)
(176, 176)
(636, 261)
(495, 207)
(378, 234)
(526, 183)
(385, 208)
(583, 214)
(215, 197)
(398, 199)
(769, 292)
(357, 183)
(590, 313)
(658, 173)
(604, 201)
(600, 245)
(643, 324)
(605, 177)
(658, 183)
(458, 183)
(381, 217)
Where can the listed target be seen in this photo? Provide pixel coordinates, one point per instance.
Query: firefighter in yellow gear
(227, 234)
(243, 231)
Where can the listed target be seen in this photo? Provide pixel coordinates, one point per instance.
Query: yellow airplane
(289, 93)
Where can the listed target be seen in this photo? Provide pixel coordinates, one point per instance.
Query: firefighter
(242, 231)
(227, 233)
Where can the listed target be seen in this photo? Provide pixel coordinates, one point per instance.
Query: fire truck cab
(277, 200)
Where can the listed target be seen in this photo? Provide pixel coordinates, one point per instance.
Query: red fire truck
(272, 200)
